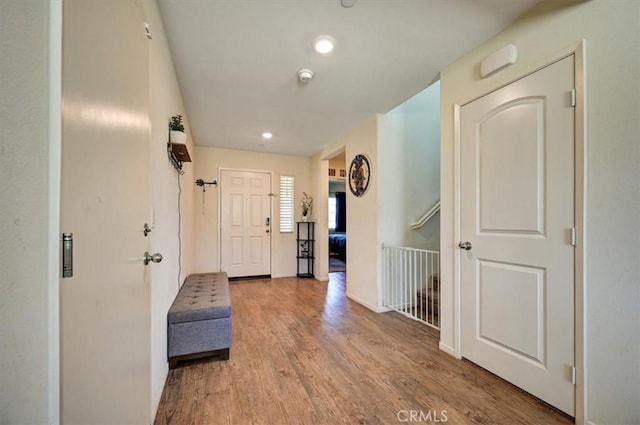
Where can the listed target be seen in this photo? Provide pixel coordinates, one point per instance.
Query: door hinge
(573, 97)
(573, 375)
(573, 236)
(67, 255)
(147, 31)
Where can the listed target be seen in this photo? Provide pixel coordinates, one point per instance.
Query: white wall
(205, 212)
(166, 101)
(409, 152)
(612, 34)
(362, 214)
(24, 212)
(363, 245)
(320, 192)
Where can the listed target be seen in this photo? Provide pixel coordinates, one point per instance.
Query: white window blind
(286, 204)
(332, 213)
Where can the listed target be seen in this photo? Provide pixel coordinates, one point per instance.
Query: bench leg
(224, 354)
(173, 362)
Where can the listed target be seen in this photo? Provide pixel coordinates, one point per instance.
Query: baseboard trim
(366, 304)
(256, 277)
(447, 349)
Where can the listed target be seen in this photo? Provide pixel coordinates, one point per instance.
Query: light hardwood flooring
(302, 353)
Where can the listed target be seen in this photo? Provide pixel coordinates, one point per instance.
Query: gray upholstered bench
(199, 320)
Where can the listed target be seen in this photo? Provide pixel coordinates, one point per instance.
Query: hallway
(303, 353)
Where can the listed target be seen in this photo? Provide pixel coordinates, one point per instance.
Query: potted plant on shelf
(176, 133)
(306, 204)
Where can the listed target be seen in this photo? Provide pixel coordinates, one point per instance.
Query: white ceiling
(237, 62)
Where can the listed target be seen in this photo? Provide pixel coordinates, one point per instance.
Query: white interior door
(105, 306)
(517, 212)
(245, 223)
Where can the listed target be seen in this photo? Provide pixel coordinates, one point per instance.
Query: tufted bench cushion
(199, 320)
(203, 296)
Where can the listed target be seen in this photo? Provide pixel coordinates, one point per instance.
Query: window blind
(286, 204)
(332, 213)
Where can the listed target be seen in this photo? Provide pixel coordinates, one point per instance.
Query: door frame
(54, 189)
(578, 51)
(219, 228)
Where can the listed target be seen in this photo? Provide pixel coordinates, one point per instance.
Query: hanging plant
(176, 127)
(176, 123)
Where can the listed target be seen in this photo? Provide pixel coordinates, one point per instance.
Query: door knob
(465, 245)
(155, 258)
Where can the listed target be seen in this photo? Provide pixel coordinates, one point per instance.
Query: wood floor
(304, 354)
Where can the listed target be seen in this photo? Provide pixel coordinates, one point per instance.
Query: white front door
(105, 306)
(517, 212)
(245, 223)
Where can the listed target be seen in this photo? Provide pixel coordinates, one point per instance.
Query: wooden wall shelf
(178, 154)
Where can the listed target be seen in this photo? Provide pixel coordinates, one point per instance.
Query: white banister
(411, 283)
(426, 217)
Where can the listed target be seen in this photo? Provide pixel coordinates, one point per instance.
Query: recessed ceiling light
(267, 135)
(324, 44)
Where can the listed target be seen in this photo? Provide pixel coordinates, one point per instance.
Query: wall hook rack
(201, 183)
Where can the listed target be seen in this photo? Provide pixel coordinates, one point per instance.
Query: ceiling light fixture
(267, 135)
(324, 44)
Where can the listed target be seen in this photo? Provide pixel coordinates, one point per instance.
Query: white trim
(383, 309)
(447, 349)
(219, 228)
(366, 304)
(457, 226)
(322, 260)
(580, 158)
(53, 214)
(580, 263)
(337, 151)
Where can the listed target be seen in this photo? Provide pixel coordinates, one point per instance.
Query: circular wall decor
(359, 175)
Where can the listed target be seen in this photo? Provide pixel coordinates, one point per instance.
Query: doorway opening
(337, 214)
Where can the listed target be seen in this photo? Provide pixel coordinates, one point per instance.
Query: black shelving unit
(305, 239)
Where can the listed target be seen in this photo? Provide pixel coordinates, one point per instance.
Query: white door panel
(508, 204)
(525, 287)
(105, 306)
(517, 209)
(245, 236)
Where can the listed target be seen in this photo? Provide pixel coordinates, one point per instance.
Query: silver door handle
(465, 245)
(155, 258)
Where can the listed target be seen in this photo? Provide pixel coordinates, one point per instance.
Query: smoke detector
(305, 75)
